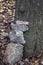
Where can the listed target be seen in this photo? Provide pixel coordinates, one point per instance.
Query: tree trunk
(32, 11)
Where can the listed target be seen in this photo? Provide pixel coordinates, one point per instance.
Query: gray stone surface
(17, 37)
(32, 11)
(22, 28)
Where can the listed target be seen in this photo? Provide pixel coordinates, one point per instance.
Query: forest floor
(32, 60)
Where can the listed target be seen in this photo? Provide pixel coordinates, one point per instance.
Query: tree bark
(32, 11)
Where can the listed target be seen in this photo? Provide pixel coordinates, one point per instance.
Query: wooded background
(31, 11)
